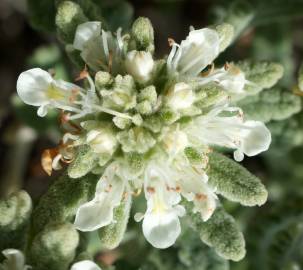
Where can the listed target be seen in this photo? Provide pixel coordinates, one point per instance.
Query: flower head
(146, 124)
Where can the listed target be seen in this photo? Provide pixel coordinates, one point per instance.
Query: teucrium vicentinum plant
(140, 126)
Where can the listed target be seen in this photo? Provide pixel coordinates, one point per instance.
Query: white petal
(257, 139)
(161, 229)
(93, 53)
(199, 49)
(99, 211)
(85, 265)
(15, 259)
(32, 86)
(85, 32)
(42, 110)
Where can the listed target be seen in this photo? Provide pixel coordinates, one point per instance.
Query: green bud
(135, 162)
(219, 232)
(62, 200)
(84, 162)
(103, 80)
(15, 213)
(112, 235)
(136, 140)
(144, 108)
(153, 123)
(195, 156)
(142, 33)
(262, 75)
(234, 182)
(55, 247)
(168, 116)
(137, 120)
(121, 122)
(69, 16)
(149, 93)
(226, 34)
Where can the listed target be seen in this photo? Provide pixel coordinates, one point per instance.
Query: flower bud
(143, 34)
(140, 65)
(180, 96)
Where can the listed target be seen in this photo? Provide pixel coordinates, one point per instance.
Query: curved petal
(85, 265)
(15, 259)
(85, 32)
(256, 139)
(32, 86)
(199, 49)
(161, 230)
(98, 212)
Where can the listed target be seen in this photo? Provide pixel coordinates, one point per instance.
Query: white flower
(199, 49)
(140, 65)
(247, 137)
(14, 260)
(99, 49)
(161, 225)
(230, 78)
(98, 212)
(85, 32)
(180, 96)
(85, 265)
(37, 87)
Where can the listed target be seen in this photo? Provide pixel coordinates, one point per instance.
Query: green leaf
(261, 75)
(62, 200)
(112, 235)
(273, 104)
(234, 182)
(54, 248)
(219, 232)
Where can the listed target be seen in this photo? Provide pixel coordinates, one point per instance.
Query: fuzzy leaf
(84, 162)
(219, 232)
(15, 213)
(54, 248)
(274, 104)
(234, 182)
(112, 235)
(262, 75)
(62, 200)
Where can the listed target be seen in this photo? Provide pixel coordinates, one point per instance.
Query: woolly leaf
(84, 162)
(15, 213)
(234, 182)
(274, 104)
(261, 75)
(219, 232)
(69, 16)
(112, 235)
(54, 248)
(62, 200)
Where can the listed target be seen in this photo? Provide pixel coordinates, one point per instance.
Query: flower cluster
(146, 124)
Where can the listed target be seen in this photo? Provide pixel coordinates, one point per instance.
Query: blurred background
(269, 30)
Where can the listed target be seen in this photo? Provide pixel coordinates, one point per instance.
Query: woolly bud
(143, 34)
(102, 80)
(69, 16)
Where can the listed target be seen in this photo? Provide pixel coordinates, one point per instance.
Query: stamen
(112, 112)
(201, 197)
(83, 74)
(105, 44)
(150, 190)
(110, 62)
(119, 39)
(171, 42)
